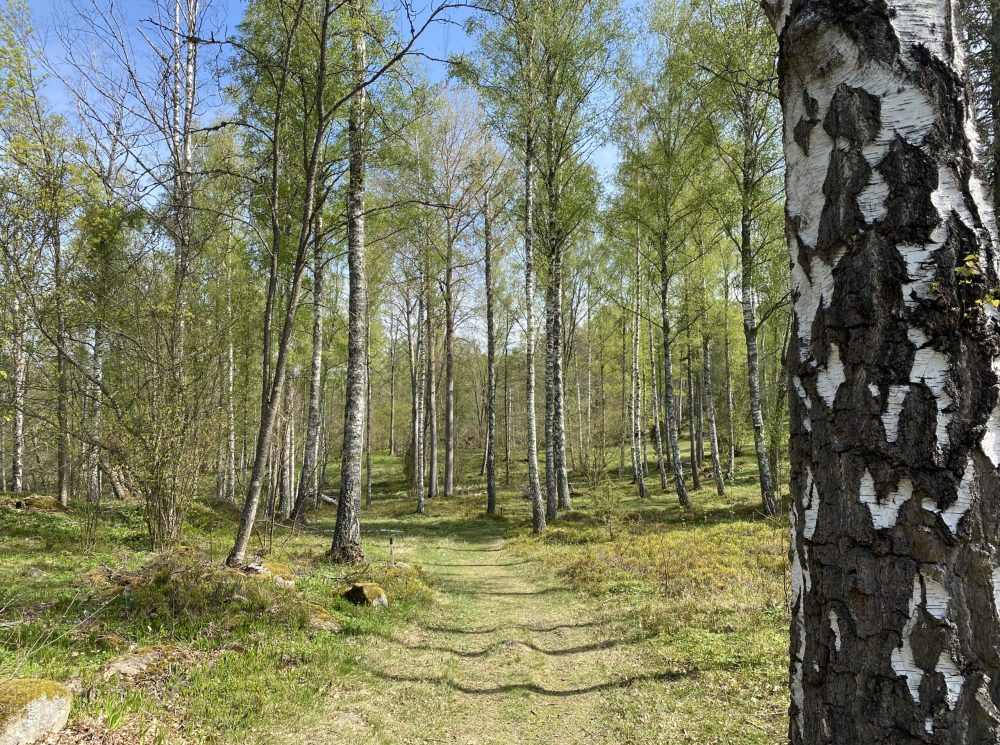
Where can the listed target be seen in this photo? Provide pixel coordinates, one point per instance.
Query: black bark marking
(912, 177)
(854, 115)
(846, 177)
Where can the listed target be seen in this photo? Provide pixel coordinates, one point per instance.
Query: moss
(39, 502)
(279, 570)
(363, 593)
(17, 694)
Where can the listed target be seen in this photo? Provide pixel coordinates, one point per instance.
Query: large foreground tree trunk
(895, 427)
(346, 547)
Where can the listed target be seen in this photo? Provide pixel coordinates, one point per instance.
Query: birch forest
(473, 371)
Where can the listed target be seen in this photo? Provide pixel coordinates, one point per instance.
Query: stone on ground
(366, 593)
(31, 708)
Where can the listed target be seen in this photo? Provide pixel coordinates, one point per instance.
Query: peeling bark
(895, 424)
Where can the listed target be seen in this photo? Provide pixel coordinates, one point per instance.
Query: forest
(478, 370)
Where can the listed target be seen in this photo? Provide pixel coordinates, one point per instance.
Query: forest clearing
(633, 622)
(483, 371)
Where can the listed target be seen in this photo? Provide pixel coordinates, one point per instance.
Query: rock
(282, 573)
(366, 593)
(39, 503)
(145, 663)
(321, 620)
(31, 708)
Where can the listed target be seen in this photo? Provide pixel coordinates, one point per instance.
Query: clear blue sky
(439, 41)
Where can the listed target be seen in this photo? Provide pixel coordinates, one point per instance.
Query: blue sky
(439, 41)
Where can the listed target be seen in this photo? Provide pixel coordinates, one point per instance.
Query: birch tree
(894, 419)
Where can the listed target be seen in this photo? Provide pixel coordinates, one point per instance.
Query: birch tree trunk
(730, 418)
(96, 412)
(635, 402)
(310, 456)
(551, 484)
(431, 421)
(62, 379)
(624, 407)
(750, 333)
(491, 372)
(368, 411)
(20, 378)
(713, 437)
(661, 464)
(449, 365)
(692, 420)
(534, 488)
(507, 405)
(346, 547)
(392, 388)
(418, 409)
(895, 423)
(668, 384)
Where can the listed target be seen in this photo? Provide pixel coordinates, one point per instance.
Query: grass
(627, 621)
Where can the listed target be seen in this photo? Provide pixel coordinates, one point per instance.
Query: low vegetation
(164, 647)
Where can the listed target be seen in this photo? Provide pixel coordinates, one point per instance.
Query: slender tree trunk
(661, 464)
(730, 416)
(449, 368)
(392, 389)
(713, 438)
(413, 334)
(368, 411)
(491, 373)
(699, 439)
(287, 456)
(346, 547)
(310, 456)
(624, 406)
(534, 488)
(551, 483)
(507, 405)
(418, 409)
(895, 424)
(273, 380)
(62, 380)
(635, 402)
(668, 384)
(692, 428)
(96, 412)
(750, 332)
(431, 391)
(20, 379)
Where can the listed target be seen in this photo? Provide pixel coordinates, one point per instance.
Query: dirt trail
(505, 656)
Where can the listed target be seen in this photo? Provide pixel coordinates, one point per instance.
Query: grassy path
(505, 655)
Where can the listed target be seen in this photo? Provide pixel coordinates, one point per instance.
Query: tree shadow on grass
(565, 652)
(450, 565)
(522, 626)
(623, 682)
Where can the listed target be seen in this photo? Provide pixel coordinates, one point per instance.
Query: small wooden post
(392, 550)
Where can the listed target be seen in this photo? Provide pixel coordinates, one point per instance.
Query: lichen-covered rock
(321, 620)
(281, 573)
(366, 593)
(145, 663)
(31, 708)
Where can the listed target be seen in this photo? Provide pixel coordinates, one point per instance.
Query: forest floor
(628, 621)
